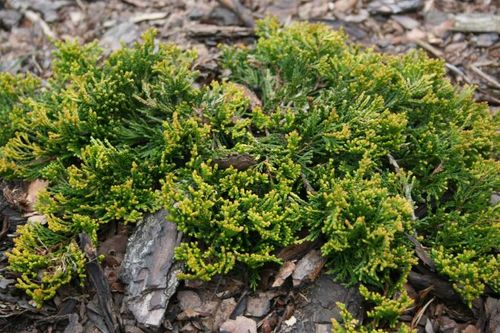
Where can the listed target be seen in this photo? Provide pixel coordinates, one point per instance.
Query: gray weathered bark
(148, 268)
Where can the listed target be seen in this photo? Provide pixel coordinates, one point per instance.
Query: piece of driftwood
(148, 269)
(100, 284)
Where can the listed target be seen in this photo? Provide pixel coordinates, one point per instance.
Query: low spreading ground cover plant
(354, 148)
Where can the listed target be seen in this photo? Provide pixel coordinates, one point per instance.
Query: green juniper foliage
(351, 147)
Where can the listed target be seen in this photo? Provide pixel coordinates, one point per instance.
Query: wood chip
(148, 17)
(285, 271)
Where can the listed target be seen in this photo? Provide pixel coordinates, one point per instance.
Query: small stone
(290, 321)
(76, 16)
(486, 40)
(188, 300)
(323, 328)
(4, 283)
(458, 37)
(284, 10)
(446, 324)
(223, 16)
(187, 314)
(37, 219)
(223, 312)
(434, 18)
(199, 11)
(313, 9)
(9, 18)
(239, 325)
(416, 34)
(495, 198)
(258, 306)
(125, 32)
(394, 6)
(492, 311)
(193, 284)
(407, 22)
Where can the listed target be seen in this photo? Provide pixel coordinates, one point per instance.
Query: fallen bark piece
(100, 284)
(208, 30)
(73, 325)
(394, 6)
(239, 161)
(440, 288)
(477, 22)
(5, 283)
(147, 269)
(319, 305)
(296, 251)
(308, 268)
(239, 325)
(492, 311)
(285, 271)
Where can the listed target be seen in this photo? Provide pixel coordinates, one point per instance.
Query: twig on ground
(35, 18)
(485, 76)
(307, 185)
(422, 253)
(5, 227)
(406, 187)
(148, 17)
(80, 4)
(420, 313)
(457, 71)
(428, 47)
(136, 3)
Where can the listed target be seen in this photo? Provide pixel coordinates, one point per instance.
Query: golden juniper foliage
(127, 135)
